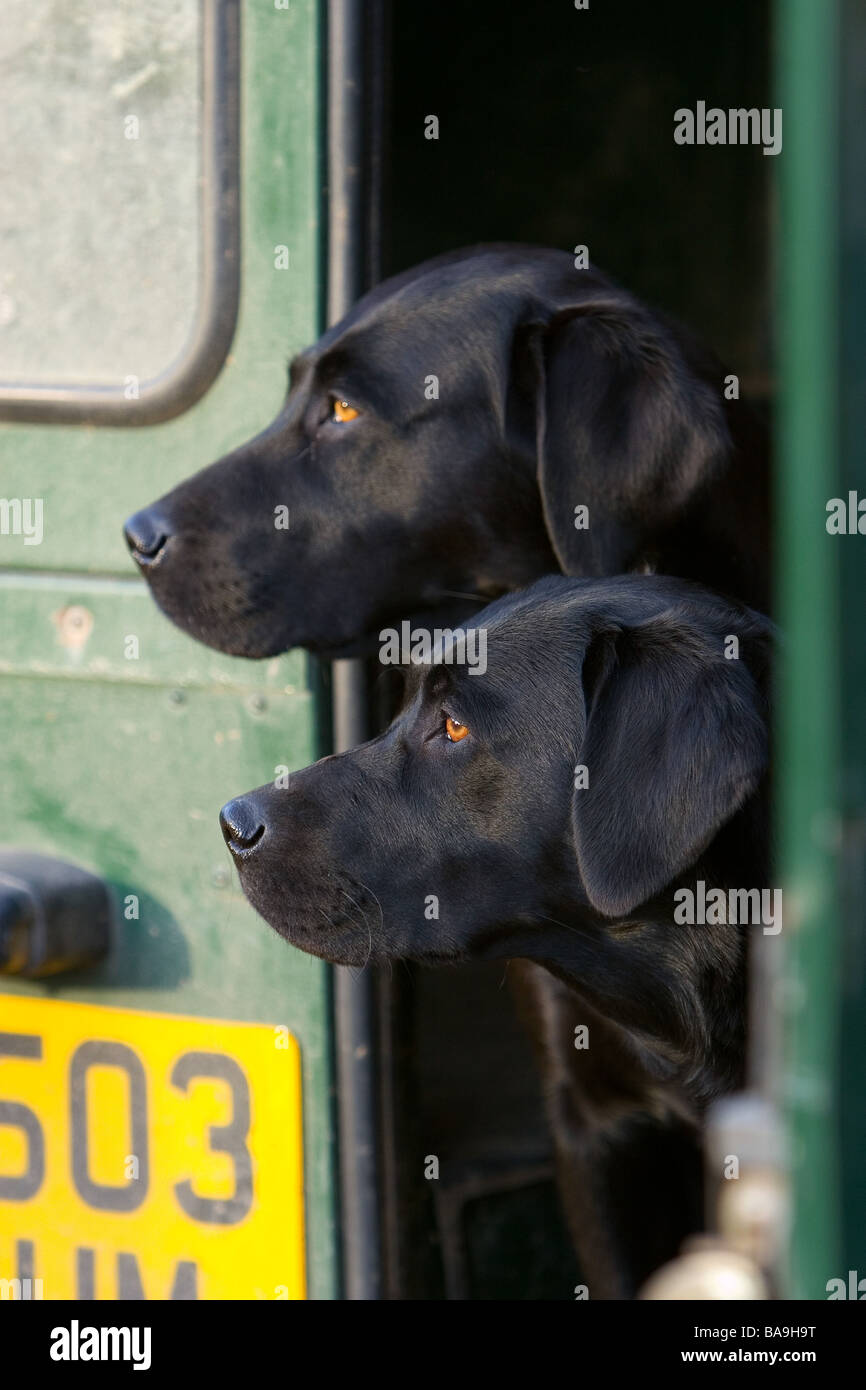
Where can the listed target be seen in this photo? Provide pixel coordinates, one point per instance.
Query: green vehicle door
(165, 1111)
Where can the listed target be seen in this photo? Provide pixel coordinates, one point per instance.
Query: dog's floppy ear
(625, 427)
(675, 741)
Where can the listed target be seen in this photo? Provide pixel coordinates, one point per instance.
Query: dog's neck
(681, 1000)
(673, 973)
(676, 988)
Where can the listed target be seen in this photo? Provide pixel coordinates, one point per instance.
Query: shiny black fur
(414, 847)
(556, 389)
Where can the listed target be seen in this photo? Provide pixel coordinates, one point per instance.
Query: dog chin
(221, 636)
(336, 947)
(305, 929)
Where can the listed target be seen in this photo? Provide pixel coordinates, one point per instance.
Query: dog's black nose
(241, 825)
(146, 535)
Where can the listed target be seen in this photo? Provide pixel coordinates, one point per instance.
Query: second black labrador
(555, 809)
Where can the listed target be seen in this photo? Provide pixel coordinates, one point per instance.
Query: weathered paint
(121, 762)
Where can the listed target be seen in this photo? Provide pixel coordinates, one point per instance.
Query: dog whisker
(569, 926)
(456, 593)
(366, 922)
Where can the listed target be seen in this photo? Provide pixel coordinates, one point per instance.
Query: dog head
(528, 810)
(438, 442)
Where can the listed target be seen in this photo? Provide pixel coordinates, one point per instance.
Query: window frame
(188, 377)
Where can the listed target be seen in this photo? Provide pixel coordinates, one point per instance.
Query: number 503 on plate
(147, 1155)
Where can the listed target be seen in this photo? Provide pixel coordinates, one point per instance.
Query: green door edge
(807, 37)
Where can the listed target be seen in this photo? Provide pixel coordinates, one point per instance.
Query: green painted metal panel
(92, 478)
(118, 753)
(852, 243)
(808, 728)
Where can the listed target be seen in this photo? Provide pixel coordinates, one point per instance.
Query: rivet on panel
(74, 625)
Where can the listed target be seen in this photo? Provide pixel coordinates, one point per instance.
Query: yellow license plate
(147, 1155)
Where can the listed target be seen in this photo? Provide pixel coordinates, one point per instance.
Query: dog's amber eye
(343, 412)
(454, 730)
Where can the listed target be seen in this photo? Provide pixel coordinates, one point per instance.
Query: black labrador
(556, 808)
(486, 418)
(482, 420)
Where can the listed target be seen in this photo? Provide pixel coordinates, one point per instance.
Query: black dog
(463, 833)
(438, 441)
(436, 444)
